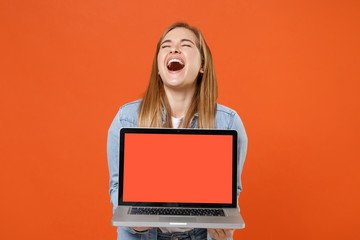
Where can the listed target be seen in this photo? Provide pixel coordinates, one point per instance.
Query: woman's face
(179, 60)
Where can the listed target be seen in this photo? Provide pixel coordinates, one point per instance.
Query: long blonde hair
(155, 108)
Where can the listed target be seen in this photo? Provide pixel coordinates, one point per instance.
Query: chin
(173, 84)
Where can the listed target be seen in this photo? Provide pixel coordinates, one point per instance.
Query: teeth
(175, 60)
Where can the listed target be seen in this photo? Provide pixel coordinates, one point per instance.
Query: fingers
(141, 229)
(213, 233)
(220, 234)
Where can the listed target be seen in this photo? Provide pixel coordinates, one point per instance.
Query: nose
(175, 49)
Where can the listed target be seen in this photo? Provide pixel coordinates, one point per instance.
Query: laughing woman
(182, 93)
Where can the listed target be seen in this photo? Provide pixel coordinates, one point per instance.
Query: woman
(182, 92)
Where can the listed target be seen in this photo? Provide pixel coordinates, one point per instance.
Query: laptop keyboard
(177, 211)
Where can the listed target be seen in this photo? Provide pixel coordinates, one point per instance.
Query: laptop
(177, 178)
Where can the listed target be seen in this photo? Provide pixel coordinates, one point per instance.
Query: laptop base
(233, 220)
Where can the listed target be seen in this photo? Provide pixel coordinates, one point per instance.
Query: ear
(201, 70)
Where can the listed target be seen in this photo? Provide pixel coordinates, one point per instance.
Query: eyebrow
(182, 40)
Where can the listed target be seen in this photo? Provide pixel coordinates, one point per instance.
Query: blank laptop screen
(178, 168)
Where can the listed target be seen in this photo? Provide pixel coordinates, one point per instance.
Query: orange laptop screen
(177, 168)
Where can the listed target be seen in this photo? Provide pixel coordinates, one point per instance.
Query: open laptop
(177, 178)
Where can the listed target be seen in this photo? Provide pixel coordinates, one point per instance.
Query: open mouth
(175, 65)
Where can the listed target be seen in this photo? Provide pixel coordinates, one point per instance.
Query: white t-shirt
(176, 123)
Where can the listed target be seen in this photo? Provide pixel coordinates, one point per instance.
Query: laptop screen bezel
(124, 131)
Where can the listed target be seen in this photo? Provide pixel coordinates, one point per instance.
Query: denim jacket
(225, 118)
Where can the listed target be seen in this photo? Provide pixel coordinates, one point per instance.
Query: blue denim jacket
(225, 118)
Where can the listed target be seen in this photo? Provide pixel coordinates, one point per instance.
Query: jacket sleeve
(237, 125)
(113, 158)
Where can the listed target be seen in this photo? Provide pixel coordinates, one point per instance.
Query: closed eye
(185, 45)
(165, 46)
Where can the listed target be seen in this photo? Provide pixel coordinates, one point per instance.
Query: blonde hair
(155, 107)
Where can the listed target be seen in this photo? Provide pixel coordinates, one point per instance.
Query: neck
(179, 100)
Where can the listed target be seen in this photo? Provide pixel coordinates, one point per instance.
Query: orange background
(172, 162)
(290, 69)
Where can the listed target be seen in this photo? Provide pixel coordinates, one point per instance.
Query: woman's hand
(220, 234)
(141, 229)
